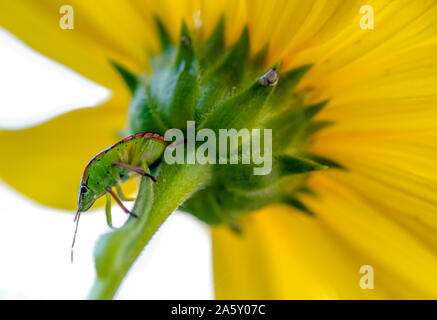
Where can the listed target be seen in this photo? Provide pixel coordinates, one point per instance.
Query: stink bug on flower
(111, 166)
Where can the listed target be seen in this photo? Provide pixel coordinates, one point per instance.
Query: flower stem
(116, 251)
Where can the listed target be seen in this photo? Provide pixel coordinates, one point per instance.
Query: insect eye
(83, 189)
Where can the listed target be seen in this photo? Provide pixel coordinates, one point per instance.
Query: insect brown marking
(128, 139)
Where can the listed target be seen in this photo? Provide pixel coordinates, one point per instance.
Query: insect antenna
(76, 219)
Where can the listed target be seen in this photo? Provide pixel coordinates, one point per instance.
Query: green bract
(219, 88)
(223, 88)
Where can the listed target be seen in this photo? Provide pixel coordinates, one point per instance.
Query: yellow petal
(397, 25)
(400, 168)
(200, 15)
(234, 13)
(286, 255)
(405, 263)
(290, 27)
(101, 32)
(411, 72)
(384, 131)
(283, 254)
(46, 162)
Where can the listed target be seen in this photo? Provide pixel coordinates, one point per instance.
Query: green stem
(116, 251)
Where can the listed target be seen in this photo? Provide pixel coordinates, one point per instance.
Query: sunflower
(359, 101)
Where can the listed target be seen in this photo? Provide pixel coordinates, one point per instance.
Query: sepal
(241, 176)
(243, 109)
(175, 90)
(142, 116)
(129, 78)
(227, 76)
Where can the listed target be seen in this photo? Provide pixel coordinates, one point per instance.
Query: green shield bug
(111, 166)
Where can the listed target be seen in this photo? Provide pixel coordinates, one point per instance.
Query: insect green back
(100, 174)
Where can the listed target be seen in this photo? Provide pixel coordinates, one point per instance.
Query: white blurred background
(35, 240)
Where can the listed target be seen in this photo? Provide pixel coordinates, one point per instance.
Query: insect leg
(135, 169)
(144, 165)
(108, 210)
(120, 203)
(117, 186)
(121, 194)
